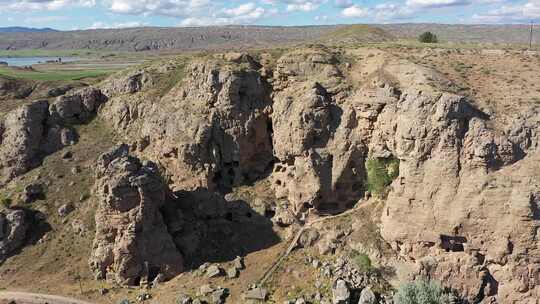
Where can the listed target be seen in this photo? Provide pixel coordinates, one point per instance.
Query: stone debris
(256, 293)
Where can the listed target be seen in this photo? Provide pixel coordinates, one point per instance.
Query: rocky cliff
(311, 120)
(324, 129)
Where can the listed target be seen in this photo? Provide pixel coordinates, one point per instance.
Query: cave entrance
(453, 243)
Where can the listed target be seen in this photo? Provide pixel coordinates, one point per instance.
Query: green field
(52, 75)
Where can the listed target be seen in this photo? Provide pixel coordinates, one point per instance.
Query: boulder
(308, 238)
(232, 273)
(65, 209)
(214, 271)
(184, 299)
(256, 293)
(340, 293)
(32, 192)
(367, 297)
(78, 106)
(238, 263)
(14, 226)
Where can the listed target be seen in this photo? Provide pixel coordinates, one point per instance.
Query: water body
(28, 61)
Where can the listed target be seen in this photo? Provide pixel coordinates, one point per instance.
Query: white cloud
(247, 13)
(304, 7)
(436, 3)
(511, 13)
(343, 3)
(389, 11)
(159, 7)
(40, 5)
(103, 25)
(354, 11)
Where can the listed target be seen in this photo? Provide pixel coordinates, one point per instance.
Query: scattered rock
(219, 296)
(308, 238)
(340, 293)
(367, 297)
(184, 299)
(239, 263)
(58, 91)
(232, 273)
(300, 301)
(257, 293)
(65, 209)
(144, 297)
(206, 289)
(214, 271)
(32, 193)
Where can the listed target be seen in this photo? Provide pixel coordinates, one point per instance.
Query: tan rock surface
(131, 242)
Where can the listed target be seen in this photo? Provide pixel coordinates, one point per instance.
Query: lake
(27, 61)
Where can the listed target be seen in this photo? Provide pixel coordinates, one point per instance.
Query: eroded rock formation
(464, 207)
(14, 225)
(36, 129)
(131, 242)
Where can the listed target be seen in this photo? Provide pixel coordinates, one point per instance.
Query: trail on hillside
(294, 243)
(33, 298)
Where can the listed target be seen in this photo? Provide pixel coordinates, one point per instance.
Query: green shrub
(5, 201)
(380, 174)
(362, 261)
(421, 292)
(428, 37)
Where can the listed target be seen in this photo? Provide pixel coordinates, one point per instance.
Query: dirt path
(7, 297)
(294, 243)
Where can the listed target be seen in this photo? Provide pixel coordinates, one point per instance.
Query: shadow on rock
(207, 228)
(20, 227)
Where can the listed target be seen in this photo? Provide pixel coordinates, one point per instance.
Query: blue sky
(85, 14)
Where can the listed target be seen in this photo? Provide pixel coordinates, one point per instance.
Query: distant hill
(466, 33)
(20, 29)
(242, 37)
(161, 38)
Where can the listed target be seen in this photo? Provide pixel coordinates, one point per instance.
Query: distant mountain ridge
(242, 37)
(21, 29)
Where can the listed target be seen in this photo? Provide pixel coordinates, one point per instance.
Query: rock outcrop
(21, 136)
(213, 131)
(132, 242)
(466, 191)
(14, 226)
(34, 130)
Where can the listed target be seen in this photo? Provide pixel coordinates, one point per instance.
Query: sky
(89, 14)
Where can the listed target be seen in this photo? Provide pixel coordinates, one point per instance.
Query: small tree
(428, 37)
(421, 292)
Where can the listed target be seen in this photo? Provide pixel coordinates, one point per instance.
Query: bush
(6, 202)
(380, 174)
(362, 261)
(428, 37)
(421, 292)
